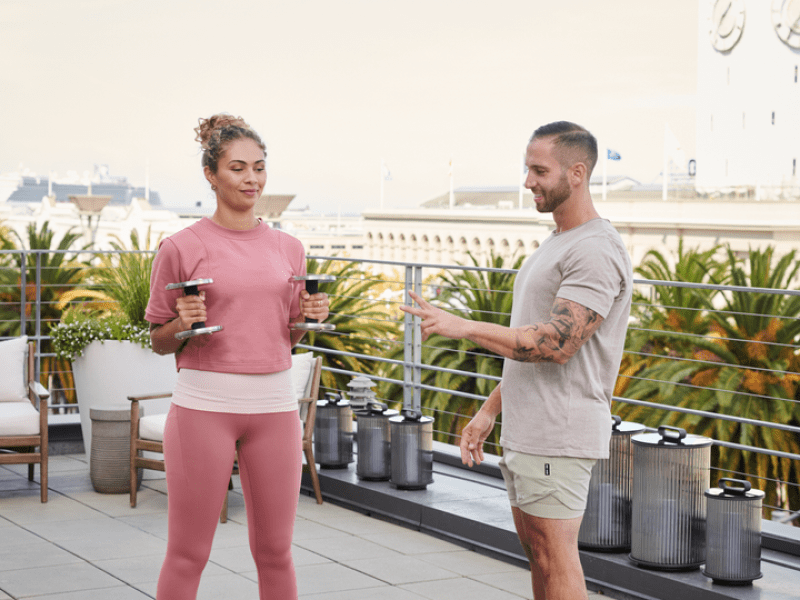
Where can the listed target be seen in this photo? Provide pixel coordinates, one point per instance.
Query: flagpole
(665, 177)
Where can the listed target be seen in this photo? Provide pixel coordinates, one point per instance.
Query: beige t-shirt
(565, 410)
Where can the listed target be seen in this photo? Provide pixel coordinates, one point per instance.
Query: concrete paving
(82, 545)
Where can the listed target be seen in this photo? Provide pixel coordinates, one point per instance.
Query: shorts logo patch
(547, 469)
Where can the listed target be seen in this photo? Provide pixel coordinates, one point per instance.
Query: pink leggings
(199, 451)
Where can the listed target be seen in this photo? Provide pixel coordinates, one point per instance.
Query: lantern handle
(730, 489)
(410, 414)
(376, 407)
(671, 434)
(616, 420)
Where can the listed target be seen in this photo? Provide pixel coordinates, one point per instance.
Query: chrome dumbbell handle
(312, 282)
(190, 288)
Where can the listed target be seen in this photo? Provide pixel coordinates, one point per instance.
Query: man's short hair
(572, 143)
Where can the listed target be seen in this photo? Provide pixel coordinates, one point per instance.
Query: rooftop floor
(82, 545)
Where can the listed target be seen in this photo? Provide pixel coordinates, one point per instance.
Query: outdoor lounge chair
(23, 410)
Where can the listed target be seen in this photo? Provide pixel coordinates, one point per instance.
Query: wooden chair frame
(308, 415)
(308, 412)
(24, 446)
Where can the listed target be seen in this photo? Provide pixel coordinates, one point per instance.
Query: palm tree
(59, 271)
(739, 359)
(125, 277)
(363, 326)
(668, 309)
(9, 283)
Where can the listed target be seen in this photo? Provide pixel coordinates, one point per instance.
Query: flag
(612, 154)
(387, 175)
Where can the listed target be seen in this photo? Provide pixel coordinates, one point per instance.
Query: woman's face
(241, 174)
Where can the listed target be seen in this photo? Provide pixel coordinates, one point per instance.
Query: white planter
(110, 371)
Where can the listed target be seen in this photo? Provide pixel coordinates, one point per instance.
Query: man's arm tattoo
(570, 325)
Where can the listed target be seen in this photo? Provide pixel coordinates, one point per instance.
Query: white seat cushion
(18, 418)
(301, 373)
(152, 427)
(13, 386)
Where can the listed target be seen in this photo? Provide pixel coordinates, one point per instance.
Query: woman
(234, 388)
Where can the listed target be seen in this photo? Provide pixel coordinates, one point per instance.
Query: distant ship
(25, 187)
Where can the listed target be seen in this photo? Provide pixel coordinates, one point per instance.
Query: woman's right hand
(191, 309)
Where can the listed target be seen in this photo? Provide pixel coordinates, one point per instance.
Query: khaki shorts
(547, 487)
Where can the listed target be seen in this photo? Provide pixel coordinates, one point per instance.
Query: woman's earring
(213, 188)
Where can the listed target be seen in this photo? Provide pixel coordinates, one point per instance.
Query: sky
(336, 86)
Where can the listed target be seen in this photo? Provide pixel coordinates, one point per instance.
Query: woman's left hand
(314, 306)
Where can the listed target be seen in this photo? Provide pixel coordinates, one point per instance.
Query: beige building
(445, 236)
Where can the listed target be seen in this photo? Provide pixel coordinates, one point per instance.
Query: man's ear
(577, 173)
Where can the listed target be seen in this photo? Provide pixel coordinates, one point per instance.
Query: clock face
(727, 23)
(786, 21)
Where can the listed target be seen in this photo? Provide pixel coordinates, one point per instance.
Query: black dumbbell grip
(312, 287)
(191, 290)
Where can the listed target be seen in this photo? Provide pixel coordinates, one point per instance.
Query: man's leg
(537, 579)
(552, 548)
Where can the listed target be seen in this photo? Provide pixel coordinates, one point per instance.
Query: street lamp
(89, 205)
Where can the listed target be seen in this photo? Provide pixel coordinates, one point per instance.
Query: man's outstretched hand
(436, 320)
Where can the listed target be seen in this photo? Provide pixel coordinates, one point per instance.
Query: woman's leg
(199, 449)
(270, 465)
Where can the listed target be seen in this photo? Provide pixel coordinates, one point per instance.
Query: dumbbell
(312, 287)
(190, 289)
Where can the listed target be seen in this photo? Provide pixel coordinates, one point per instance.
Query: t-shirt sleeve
(166, 269)
(593, 275)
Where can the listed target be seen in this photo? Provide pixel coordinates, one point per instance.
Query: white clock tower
(748, 98)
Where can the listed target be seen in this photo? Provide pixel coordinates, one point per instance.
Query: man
(563, 348)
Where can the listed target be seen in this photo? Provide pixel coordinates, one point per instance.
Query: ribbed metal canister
(670, 477)
(733, 532)
(333, 432)
(373, 438)
(412, 450)
(606, 524)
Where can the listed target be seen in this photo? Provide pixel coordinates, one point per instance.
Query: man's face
(546, 177)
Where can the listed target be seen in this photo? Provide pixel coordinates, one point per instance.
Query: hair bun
(206, 127)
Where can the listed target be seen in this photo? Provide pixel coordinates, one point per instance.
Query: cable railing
(722, 362)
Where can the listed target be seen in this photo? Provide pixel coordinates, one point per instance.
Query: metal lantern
(373, 438)
(606, 522)
(733, 532)
(670, 477)
(412, 450)
(333, 432)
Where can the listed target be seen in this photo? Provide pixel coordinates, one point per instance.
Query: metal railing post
(23, 297)
(408, 342)
(417, 400)
(38, 321)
